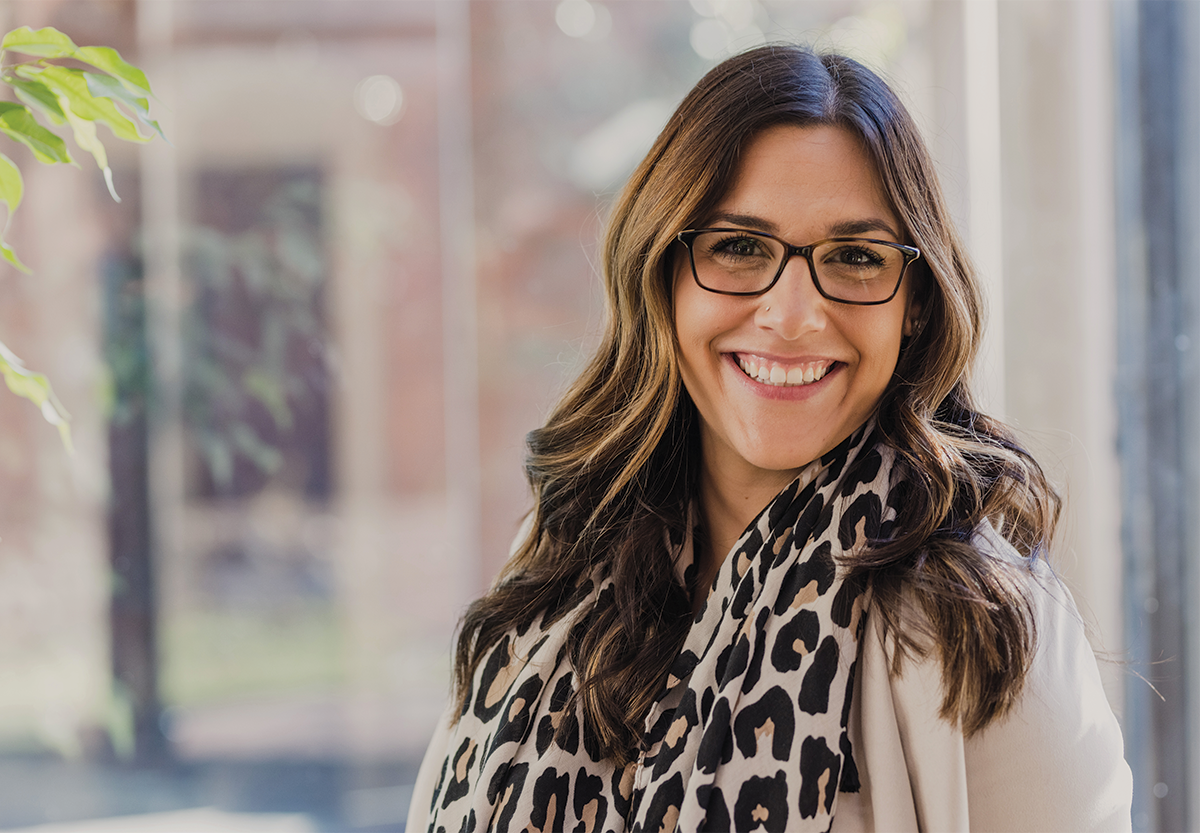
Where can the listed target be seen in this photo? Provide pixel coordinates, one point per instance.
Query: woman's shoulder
(1060, 742)
(1050, 604)
(1054, 760)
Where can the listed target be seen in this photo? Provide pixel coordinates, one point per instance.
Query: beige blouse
(1055, 763)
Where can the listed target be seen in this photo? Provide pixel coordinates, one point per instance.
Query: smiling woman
(780, 572)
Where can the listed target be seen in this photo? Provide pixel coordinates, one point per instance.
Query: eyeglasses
(849, 270)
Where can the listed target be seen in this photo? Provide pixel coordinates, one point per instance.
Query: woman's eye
(738, 247)
(857, 256)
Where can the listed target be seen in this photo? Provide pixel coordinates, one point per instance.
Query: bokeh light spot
(379, 98)
(709, 38)
(576, 18)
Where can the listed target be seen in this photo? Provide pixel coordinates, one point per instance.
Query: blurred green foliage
(255, 296)
(51, 87)
(216, 655)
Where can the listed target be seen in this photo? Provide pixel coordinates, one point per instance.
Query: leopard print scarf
(750, 728)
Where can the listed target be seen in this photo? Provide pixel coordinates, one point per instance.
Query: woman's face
(802, 184)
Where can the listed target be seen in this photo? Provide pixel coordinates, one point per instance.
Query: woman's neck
(730, 498)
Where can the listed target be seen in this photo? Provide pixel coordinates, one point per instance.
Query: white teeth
(779, 376)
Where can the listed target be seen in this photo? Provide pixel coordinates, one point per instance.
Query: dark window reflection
(256, 390)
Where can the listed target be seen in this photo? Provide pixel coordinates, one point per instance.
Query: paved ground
(203, 820)
(227, 796)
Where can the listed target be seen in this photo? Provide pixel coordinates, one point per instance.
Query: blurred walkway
(53, 796)
(203, 820)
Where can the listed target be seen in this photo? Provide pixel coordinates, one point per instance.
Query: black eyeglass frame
(688, 236)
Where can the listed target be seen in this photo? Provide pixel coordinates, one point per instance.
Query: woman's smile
(782, 373)
(781, 378)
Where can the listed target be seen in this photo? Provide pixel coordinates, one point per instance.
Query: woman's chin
(784, 461)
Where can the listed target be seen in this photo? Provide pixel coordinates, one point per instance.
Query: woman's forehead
(791, 178)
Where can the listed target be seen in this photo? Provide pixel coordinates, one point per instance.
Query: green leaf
(119, 719)
(265, 456)
(268, 389)
(108, 180)
(44, 43)
(17, 122)
(36, 94)
(11, 190)
(108, 87)
(86, 138)
(106, 59)
(8, 254)
(73, 95)
(11, 185)
(218, 453)
(36, 388)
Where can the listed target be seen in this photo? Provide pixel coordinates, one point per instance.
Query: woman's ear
(915, 305)
(912, 317)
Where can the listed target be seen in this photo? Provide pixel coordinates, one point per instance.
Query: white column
(1095, 477)
(460, 345)
(164, 297)
(981, 65)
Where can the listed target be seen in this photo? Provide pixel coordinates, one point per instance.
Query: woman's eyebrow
(850, 228)
(745, 221)
(844, 228)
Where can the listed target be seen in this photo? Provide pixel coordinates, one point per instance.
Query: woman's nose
(793, 306)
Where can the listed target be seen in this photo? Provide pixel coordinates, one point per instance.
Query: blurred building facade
(303, 352)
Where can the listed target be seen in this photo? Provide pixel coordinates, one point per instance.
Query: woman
(780, 573)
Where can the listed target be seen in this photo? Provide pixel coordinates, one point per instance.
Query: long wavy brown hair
(615, 466)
